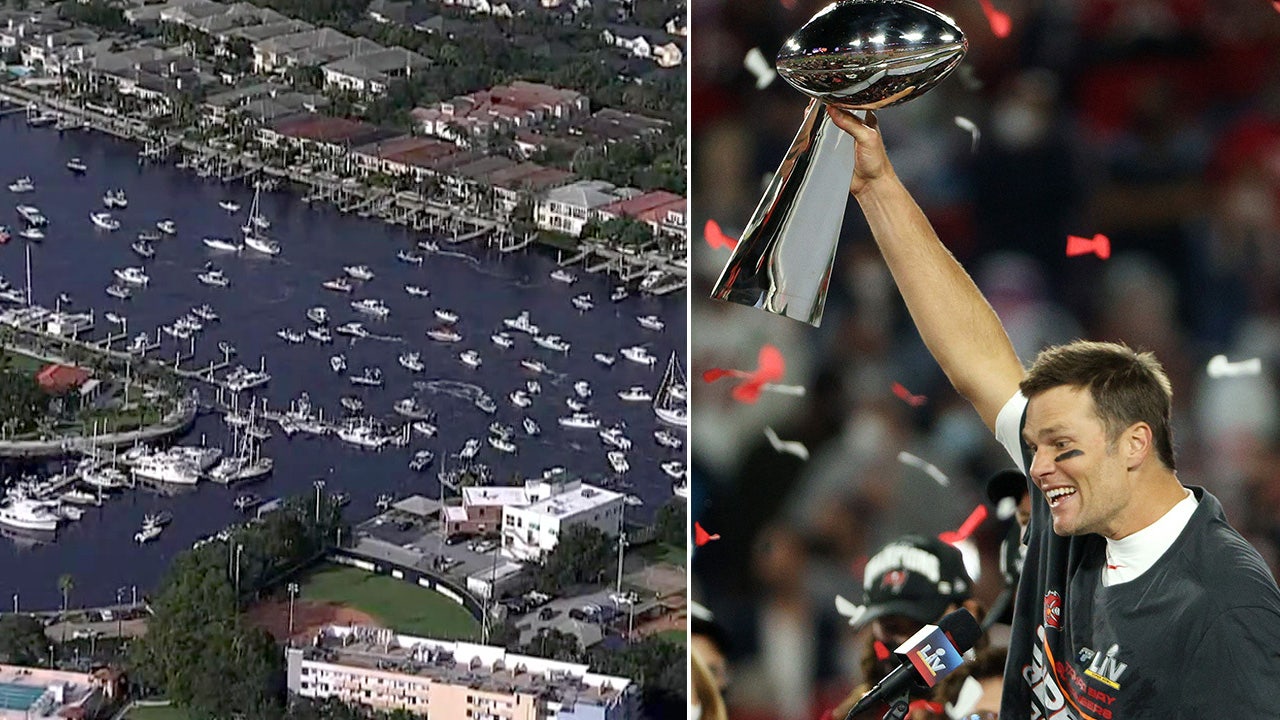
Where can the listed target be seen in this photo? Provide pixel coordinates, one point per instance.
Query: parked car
(547, 613)
(456, 538)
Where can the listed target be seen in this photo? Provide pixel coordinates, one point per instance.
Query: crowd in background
(1153, 122)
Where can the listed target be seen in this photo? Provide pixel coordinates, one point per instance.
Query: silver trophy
(857, 55)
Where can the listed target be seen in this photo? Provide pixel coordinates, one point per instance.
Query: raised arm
(956, 322)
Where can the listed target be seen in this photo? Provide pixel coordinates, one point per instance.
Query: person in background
(710, 640)
(973, 691)
(706, 702)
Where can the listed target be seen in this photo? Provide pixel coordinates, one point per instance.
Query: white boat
(222, 244)
(635, 393)
(531, 427)
(168, 227)
(371, 377)
(257, 221)
(650, 322)
(444, 334)
(681, 489)
(416, 290)
(340, 284)
(470, 358)
(618, 461)
(502, 340)
(290, 335)
(486, 404)
(520, 398)
(242, 378)
(205, 312)
(638, 354)
(521, 323)
(230, 206)
(412, 362)
(501, 444)
(421, 459)
(318, 315)
(354, 329)
(80, 497)
(115, 199)
(582, 388)
(199, 457)
(371, 306)
(32, 215)
(667, 439)
(105, 477)
(147, 533)
(351, 403)
(583, 302)
(104, 221)
(604, 359)
(320, 334)
(669, 402)
(113, 318)
(410, 408)
(533, 386)
(166, 469)
(213, 278)
(552, 342)
(31, 233)
(362, 435)
(25, 514)
(674, 469)
(132, 276)
(447, 316)
(613, 436)
(502, 431)
(359, 272)
(564, 276)
(338, 363)
(262, 244)
(244, 466)
(469, 449)
(535, 365)
(149, 236)
(585, 421)
(143, 249)
(575, 404)
(76, 165)
(429, 246)
(412, 258)
(22, 185)
(619, 293)
(422, 427)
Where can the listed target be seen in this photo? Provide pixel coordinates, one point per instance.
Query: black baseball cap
(1008, 483)
(914, 576)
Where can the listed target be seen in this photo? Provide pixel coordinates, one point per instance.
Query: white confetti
(932, 470)
(850, 610)
(796, 390)
(758, 66)
(790, 447)
(1219, 367)
(966, 700)
(1006, 508)
(965, 123)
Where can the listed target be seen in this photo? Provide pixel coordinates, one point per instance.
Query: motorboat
(132, 276)
(635, 393)
(583, 302)
(143, 249)
(674, 469)
(486, 404)
(26, 514)
(222, 244)
(32, 215)
(371, 306)
(619, 293)
(205, 312)
(149, 236)
(501, 444)
(290, 335)
(650, 322)
(353, 329)
(318, 315)
(552, 342)
(531, 427)
(469, 449)
(410, 408)
(429, 246)
(447, 316)
(31, 233)
(520, 398)
(230, 206)
(416, 290)
(535, 365)
(104, 477)
(582, 388)
(604, 359)
(362, 435)
(340, 284)
(613, 436)
(320, 334)
(359, 272)
(22, 185)
(242, 378)
(412, 258)
(247, 502)
(581, 420)
(147, 534)
(104, 221)
(338, 363)
(502, 340)
(564, 276)
(412, 362)
(638, 354)
(262, 245)
(422, 427)
(501, 430)
(575, 404)
(351, 403)
(113, 318)
(166, 469)
(470, 358)
(533, 386)
(421, 459)
(76, 165)
(168, 227)
(618, 461)
(521, 323)
(80, 497)
(213, 278)
(371, 377)
(444, 334)
(113, 199)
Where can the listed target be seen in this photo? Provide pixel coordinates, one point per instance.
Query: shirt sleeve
(1235, 672)
(1009, 428)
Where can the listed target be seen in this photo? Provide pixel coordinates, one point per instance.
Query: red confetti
(770, 367)
(715, 374)
(1100, 245)
(966, 528)
(716, 237)
(1000, 24)
(907, 397)
(702, 537)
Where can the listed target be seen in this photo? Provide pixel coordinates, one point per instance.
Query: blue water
(18, 697)
(266, 294)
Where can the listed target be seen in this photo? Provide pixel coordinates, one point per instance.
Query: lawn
(675, 637)
(157, 712)
(398, 604)
(662, 552)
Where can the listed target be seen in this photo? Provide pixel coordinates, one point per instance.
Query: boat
(412, 362)
(31, 233)
(371, 377)
(362, 435)
(575, 404)
(535, 365)
(354, 329)
(429, 246)
(226, 348)
(501, 445)
(582, 388)
(104, 221)
(168, 227)
(486, 404)
(200, 457)
(410, 408)
(290, 335)
(635, 393)
(618, 461)
(613, 436)
(583, 302)
(502, 431)
(417, 291)
(113, 318)
(222, 244)
(262, 244)
(359, 272)
(22, 185)
(338, 363)
(143, 249)
(470, 358)
(444, 334)
(469, 449)
(32, 215)
(230, 206)
(619, 293)
(247, 502)
(147, 533)
(552, 342)
(564, 276)
(320, 334)
(166, 469)
(502, 340)
(26, 514)
(242, 378)
(520, 398)
(80, 497)
(337, 285)
(412, 258)
(42, 119)
(245, 465)
(76, 165)
(633, 500)
(585, 421)
(4, 235)
(533, 386)
(669, 402)
(384, 501)
(351, 403)
(205, 312)
(213, 278)
(638, 354)
(674, 469)
(132, 276)
(371, 306)
(257, 221)
(650, 322)
(115, 199)
(447, 316)
(604, 359)
(422, 427)
(521, 323)
(104, 477)
(531, 427)
(318, 315)
(421, 459)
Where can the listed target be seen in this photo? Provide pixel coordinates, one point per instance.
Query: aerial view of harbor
(311, 345)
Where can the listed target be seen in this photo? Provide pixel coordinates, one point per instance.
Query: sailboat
(257, 221)
(670, 401)
(247, 463)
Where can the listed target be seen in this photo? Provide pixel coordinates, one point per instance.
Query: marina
(246, 298)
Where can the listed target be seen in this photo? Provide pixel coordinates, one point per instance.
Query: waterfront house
(403, 156)
(610, 125)
(503, 108)
(56, 53)
(523, 181)
(567, 209)
(59, 379)
(370, 73)
(304, 49)
(663, 211)
(529, 533)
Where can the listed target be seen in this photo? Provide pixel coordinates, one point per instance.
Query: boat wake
(452, 388)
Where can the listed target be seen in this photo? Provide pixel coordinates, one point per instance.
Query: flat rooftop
(574, 501)
(27, 693)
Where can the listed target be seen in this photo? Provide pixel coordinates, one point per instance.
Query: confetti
(789, 447)
(932, 470)
(716, 238)
(1276, 4)
(702, 537)
(1100, 245)
(1000, 24)
(906, 396)
(1220, 367)
(759, 67)
(850, 610)
(965, 123)
(796, 390)
(966, 528)
(1006, 508)
(770, 367)
(967, 699)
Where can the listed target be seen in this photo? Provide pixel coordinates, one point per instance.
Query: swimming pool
(18, 697)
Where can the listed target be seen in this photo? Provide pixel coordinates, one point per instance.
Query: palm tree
(66, 584)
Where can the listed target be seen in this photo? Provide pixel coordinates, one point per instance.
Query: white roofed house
(370, 73)
(529, 533)
(567, 209)
(307, 48)
(668, 55)
(630, 39)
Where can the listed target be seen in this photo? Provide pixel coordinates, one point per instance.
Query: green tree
(553, 644)
(581, 555)
(658, 666)
(672, 523)
(22, 639)
(66, 584)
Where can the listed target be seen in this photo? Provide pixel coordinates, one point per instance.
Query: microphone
(929, 655)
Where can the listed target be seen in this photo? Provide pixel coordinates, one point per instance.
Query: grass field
(157, 713)
(662, 552)
(675, 637)
(399, 605)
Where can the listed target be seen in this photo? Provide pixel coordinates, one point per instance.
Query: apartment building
(530, 532)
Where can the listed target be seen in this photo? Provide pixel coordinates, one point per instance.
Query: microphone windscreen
(962, 628)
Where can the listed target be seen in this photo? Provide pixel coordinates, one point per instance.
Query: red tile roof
(57, 379)
(633, 207)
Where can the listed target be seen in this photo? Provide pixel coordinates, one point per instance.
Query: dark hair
(988, 662)
(1126, 386)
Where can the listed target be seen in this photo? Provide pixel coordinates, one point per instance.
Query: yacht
(115, 199)
(470, 358)
(104, 477)
(421, 459)
(242, 378)
(132, 276)
(240, 468)
(531, 427)
(359, 272)
(230, 206)
(412, 258)
(222, 244)
(521, 323)
(409, 407)
(447, 316)
(147, 533)
(417, 291)
(290, 335)
(371, 377)
(340, 284)
(564, 276)
(354, 329)
(520, 398)
(583, 302)
(470, 449)
(80, 497)
(24, 514)
(613, 436)
(444, 334)
(618, 461)
(213, 278)
(76, 165)
(638, 354)
(32, 215)
(31, 233)
(486, 404)
(583, 389)
(604, 359)
(104, 221)
(502, 340)
(650, 322)
(552, 342)
(318, 315)
(164, 468)
(412, 362)
(422, 427)
(168, 227)
(22, 185)
(674, 469)
(205, 312)
(371, 306)
(501, 444)
(338, 363)
(351, 403)
(262, 244)
(535, 365)
(585, 421)
(320, 334)
(144, 249)
(670, 400)
(362, 435)
(635, 393)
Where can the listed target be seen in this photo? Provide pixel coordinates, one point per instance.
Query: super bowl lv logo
(1053, 610)
(1104, 667)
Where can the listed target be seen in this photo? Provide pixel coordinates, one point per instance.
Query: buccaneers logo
(894, 580)
(1053, 610)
